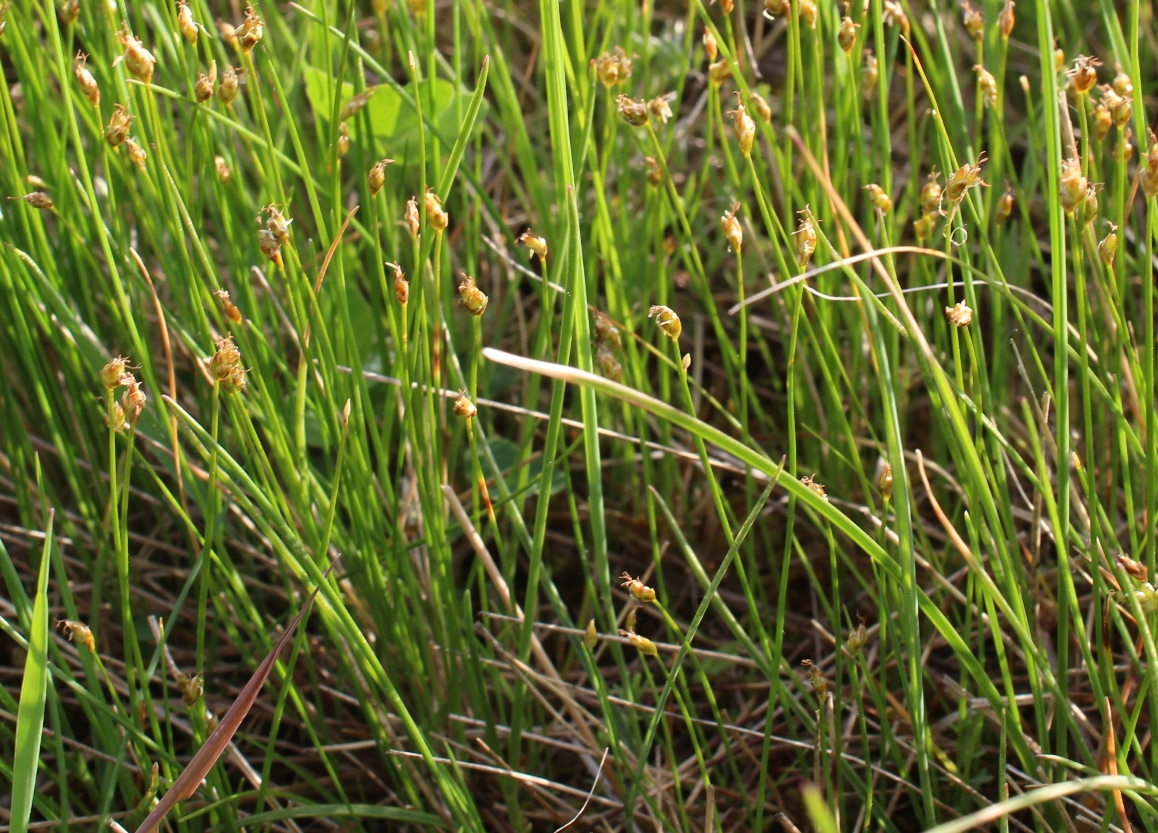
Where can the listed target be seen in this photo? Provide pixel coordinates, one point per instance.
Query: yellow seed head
(270, 246)
(762, 108)
(744, 128)
(974, 23)
(37, 199)
(1090, 204)
(988, 85)
(343, 139)
(639, 591)
(117, 129)
(537, 244)
(1103, 121)
(613, 68)
(250, 32)
(277, 223)
(1006, 19)
(805, 238)
(1084, 74)
(846, 35)
(819, 681)
(777, 8)
(132, 402)
(191, 688)
(727, 6)
(1127, 146)
(77, 632)
(224, 172)
(1072, 185)
(85, 79)
(964, 178)
(605, 328)
(138, 60)
(436, 217)
(185, 23)
(879, 199)
(1108, 247)
(660, 107)
(959, 315)
(68, 12)
(923, 227)
(203, 89)
(352, 107)
(893, 15)
(710, 47)
(227, 91)
(669, 323)
(1122, 84)
(473, 298)
(641, 643)
(885, 481)
(591, 635)
(931, 193)
(732, 229)
(225, 366)
(114, 373)
(719, 72)
(857, 638)
(377, 177)
(411, 217)
(608, 361)
(228, 32)
(870, 75)
(818, 488)
(463, 407)
(808, 12)
(654, 172)
(1004, 206)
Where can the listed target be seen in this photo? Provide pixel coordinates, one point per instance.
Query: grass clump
(355, 299)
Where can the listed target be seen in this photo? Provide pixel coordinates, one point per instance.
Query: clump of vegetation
(827, 328)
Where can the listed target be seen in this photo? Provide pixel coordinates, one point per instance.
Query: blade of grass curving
(33, 696)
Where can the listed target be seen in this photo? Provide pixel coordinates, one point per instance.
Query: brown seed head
(228, 307)
(132, 402)
(639, 591)
(641, 643)
(413, 223)
(77, 632)
(270, 246)
(744, 128)
(115, 373)
(654, 172)
(879, 199)
(1084, 74)
(1090, 204)
(819, 681)
(931, 194)
(85, 79)
(805, 238)
(818, 488)
(224, 172)
(613, 68)
(846, 35)
(227, 91)
(1072, 185)
(808, 12)
(923, 227)
(870, 75)
(894, 15)
(225, 366)
(37, 199)
(277, 223)
(719, 72)
(1108, 247)
(761, 108)
(974, 23)
(660, 107)
(228, 32)
(377, 177)
(535, 243)
(857, 638)
(728, 6)
(634, 113)
(987, 84)
(68, 12)
(608, 361)
(1103, 121)
(1134, 569)
(710, 47)
(352, 107)
(250, 32)
(1122, 84)
(137, 153)
(885, 481)
(401, 285)
(605, 328)
(203, 89)
(1006, 19)
(1004, 206)
(343, 139)
(777, 8)
(964, 178)
(463, 407)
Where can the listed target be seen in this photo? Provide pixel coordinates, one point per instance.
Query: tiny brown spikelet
(250, 32)
(138, 60)
(85, 80)
(185, 23)
(227, 91)
(117, 129)
(228, 307)
(733, 231)
(473, 298)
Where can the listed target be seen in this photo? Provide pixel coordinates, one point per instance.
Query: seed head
(988, 85)
(68, 13)
(613, 68)
(118, 127)
(411, 217)
(132, 402)
(1004, 206)
(974, 23)
(352, 107)
(203, 89)
(931, 194)
(923, 227)
(591, 635)
(805, 238)
(1134, 569)
(228, 307)
(1108, 247)
(819, 681)
(719, 72)
(401, 285)
(777, 8)
(270, 246)
(417, 8)
(963, 179)
(37, 199)
(959, 315)
(115, 373)
(1006, 19)
(138, 60)
(377, 176)
(227, 91)
(635, 113)
(870, 75)
(879, 199)
(1127, 146)
(85, 80)
(137, 153)
(1059, 58)
(846, 36)
(228, 32)
(761, 108)
(249, 33)
(669, 323)
(225, 366)
(473, 298)
(343, 139)
(191, 688)
(808, 13)
(732, 230)
(893, 14)
(1122, 84)
(1090, 204)
(641, 643)
(537, 244)
(660, 107)
(435, 216)
(1121, 108)
(1084, 74)
(885, 481)
(606, 330)
(277, 224)
(818, 488)
(224, 172)
(728, 6)
(744, 128)
(639, 591)
(1072, 186)
(608, 362)
(1103, 121)
(654, 172)
(185, 22)
(77, 632)
(710, 47)
(463, 407)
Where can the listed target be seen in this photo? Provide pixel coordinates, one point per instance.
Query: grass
(954, 631)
